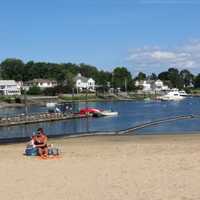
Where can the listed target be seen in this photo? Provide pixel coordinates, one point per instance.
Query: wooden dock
(37, 118)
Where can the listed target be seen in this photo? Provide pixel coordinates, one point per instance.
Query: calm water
(131, 113)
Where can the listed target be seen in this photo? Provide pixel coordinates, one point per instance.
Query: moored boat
(89, 111)
(97, 113)
(183, 93)
(173, 94)
(109, 113)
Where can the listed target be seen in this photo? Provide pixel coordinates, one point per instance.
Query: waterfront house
(159, 86)
(82, 83)
(151, 86)
(10, 87)
(144, 84)
(41, 83)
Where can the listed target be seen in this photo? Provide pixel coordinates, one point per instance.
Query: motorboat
(89, 111)
(183, 93)
(108, 113)
(97, 113)
(173, 94)
(50, 105)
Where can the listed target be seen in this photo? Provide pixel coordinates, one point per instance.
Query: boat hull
(109, 113)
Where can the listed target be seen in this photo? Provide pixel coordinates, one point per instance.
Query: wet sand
(105, 168)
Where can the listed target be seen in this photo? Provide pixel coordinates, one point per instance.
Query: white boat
(50, 105)
(173, 94)
(183, 93)
(108, 113)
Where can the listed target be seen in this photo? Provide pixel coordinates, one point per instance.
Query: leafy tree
(122, 78)
(197, 81)
(187, 77)
(172, 78)
(34, 90)
(104, 78)
(164, 76)
(175, 78)
(153, 76)
(72, 68)
(29, 73)
(88, 70)
(69, 81)
(12, 68)
(141, 76)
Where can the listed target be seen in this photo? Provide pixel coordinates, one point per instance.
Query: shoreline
(41, 102)
(13, 141)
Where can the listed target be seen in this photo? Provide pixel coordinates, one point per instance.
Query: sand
(105, 168)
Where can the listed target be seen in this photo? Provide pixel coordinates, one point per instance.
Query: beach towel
(32, 151)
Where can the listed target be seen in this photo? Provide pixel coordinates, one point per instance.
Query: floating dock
(37, 118)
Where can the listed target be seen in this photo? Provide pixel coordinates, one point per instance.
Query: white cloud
(186, 56)
(162, 55)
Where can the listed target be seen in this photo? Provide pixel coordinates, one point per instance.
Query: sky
(142, 35)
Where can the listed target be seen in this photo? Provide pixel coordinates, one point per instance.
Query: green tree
(141, 76)
(153, 76)
(197, 81)
(12, 68)
(164, 76)
(175, 78)
(187, 77)
(122, 78)
(34, 90)
(88, 70)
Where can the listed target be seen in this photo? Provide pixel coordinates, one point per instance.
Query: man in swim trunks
(40, 142)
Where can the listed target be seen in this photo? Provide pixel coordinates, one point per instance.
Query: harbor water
(131, 113)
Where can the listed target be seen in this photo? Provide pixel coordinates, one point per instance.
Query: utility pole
(73, 100)
(87, 119)
(25, 102)
(86, 98)
(125, 84)
(112, 81)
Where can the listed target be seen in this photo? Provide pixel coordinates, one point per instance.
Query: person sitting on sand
(40, 142)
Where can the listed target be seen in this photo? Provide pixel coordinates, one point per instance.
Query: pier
(37, 118)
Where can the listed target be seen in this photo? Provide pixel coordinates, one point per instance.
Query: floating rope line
(156, 122)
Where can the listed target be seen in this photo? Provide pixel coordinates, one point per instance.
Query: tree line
(64, 74)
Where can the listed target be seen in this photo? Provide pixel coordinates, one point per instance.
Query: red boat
(92, 111)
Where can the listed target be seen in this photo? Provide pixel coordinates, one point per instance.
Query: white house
(159, 86)
(145, 84)
(151, 85)
(42, 83)
(83, 83)
(9, 87)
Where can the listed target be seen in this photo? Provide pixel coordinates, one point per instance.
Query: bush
(7, 99)
(50, 92)
(188, 90)
(56, 90)
(34, 91)
(18, 100)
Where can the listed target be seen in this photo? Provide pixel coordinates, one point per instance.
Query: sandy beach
(105, 168)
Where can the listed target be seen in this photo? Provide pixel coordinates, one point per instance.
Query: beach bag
(31, 151)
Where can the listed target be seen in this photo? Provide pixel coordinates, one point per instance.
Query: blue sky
(142, 35)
